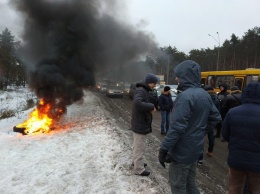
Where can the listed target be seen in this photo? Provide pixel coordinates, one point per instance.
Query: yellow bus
(239, 78)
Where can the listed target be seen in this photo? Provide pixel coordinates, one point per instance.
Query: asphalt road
(212, 176)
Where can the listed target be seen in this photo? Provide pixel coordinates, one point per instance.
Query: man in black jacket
(141, 123)
(221, 96)
(232, 100)
(166, 105)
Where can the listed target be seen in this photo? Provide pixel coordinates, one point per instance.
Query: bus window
(239, 82)
(227, 79)
(211, 81)
(252, 78)
(202, 81)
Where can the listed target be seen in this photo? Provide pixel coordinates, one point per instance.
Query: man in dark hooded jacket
(193, 109)
(241, 128)
(141, 123)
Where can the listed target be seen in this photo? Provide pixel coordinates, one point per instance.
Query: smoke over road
(66, 42)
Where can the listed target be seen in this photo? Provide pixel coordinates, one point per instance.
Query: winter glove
(164, 157)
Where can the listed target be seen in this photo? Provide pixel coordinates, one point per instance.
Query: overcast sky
(187, 23)
(184, 24)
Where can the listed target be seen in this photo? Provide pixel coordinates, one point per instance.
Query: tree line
(12, 70)
(234, 54)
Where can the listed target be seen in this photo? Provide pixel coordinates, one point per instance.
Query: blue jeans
(182, 178)
(165, 120)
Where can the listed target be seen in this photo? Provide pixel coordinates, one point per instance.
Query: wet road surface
(212, 175)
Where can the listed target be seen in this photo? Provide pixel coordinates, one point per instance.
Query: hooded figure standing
(141, 123)
(184, 142)
(241, 129)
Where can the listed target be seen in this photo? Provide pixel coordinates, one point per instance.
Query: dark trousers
(218, 127)
(211, 139)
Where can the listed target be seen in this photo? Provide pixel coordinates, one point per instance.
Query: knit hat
(166, 88)
(234, 88)
(151, 78)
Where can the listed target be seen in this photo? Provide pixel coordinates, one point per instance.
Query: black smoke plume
(68, 42)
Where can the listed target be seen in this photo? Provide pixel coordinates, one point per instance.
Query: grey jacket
(193, 109)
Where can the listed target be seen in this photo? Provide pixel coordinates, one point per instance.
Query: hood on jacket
(143, 84)
(224, 86)
(189, 74)
(251, 93)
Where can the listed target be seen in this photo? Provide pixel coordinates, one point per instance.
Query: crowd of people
(194, 114)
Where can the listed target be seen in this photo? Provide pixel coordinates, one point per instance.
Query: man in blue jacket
(141, 123)
(193, 109)
(241, 128)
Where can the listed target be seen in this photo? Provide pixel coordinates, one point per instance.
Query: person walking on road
(166, 105)
(210, 129)
(141, 122)
(184, 142)
(241, 129)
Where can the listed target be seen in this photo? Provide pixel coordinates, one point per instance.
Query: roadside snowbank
(85, 155)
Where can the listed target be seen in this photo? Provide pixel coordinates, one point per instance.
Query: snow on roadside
(15, 100)
(85, 156)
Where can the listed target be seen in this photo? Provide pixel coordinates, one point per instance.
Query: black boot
(144, 173)
(144, 164)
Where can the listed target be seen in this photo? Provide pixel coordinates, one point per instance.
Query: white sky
(187, 23)
(86, 156)
(181, 23)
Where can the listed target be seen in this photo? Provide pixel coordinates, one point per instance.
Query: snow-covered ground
(86, 155)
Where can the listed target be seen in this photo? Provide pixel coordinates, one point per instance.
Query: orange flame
(39, 122)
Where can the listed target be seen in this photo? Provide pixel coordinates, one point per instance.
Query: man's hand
(154, 110)
(162, 157)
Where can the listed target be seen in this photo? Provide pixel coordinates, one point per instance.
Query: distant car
(98, 86)
(126, 89)
(114, 91)
(103, 88)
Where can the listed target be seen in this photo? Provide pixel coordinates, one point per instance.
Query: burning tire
(19, 130)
